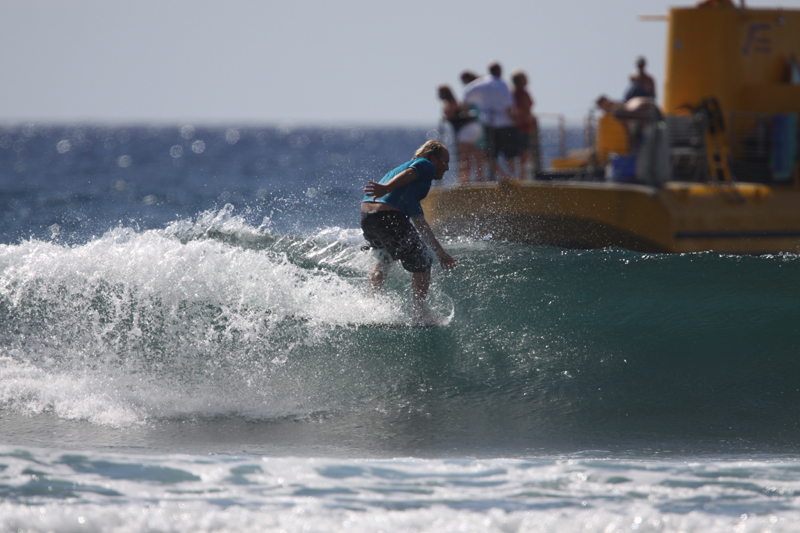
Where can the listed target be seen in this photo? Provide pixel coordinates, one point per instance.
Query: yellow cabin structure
(746, 58)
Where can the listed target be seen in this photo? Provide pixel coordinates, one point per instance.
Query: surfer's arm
(376, 190)
(445, 259)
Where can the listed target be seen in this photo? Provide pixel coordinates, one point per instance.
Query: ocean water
(186, 344)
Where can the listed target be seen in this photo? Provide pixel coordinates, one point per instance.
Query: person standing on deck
(526, 125)
(467, 130)
(493, 99)
(394, 223)
(476, 152)
(642, 83)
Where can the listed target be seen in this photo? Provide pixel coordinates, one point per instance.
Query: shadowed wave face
(215, 319)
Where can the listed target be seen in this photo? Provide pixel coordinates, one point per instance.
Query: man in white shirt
(495, 104)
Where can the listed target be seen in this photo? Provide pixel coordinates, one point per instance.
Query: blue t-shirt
(407, 197)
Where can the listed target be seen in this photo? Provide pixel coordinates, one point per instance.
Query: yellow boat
(717, 169)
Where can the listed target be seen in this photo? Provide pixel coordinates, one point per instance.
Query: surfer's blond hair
(431, 149)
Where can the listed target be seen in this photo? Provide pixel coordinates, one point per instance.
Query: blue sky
(349, 62)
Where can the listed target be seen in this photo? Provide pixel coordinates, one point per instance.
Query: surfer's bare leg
(420, 282)
(377, 276)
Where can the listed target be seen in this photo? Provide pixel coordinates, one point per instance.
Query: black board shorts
(392, 233)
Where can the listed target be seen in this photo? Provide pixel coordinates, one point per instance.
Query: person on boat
(477, 160)
(524, 121)
(493, 99)
(467, 131)
(467, 77)
(634, 114)
(641, 83)
(394, 224)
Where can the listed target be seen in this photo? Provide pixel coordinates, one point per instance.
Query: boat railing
(549, 141)
(558, 143)
(553, 124)
(687, 146)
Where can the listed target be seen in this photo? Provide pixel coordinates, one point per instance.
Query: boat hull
(679, 217)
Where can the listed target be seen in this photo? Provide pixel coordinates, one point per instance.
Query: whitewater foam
(133, 325)
(106, 492)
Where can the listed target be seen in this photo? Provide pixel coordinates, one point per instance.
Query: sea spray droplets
(232, 136)
(63, 146)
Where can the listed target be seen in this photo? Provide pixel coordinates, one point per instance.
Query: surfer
(394, 223)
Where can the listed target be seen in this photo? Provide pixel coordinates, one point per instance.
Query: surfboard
(439, 306)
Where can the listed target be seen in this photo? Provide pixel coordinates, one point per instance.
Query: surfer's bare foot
(424, 318)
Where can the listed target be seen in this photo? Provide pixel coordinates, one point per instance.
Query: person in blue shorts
(394, 223)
